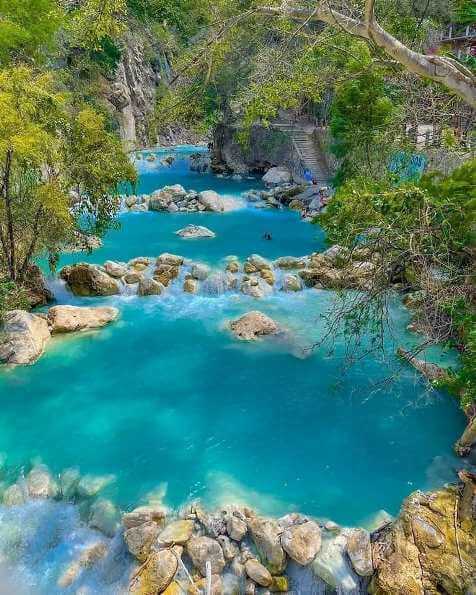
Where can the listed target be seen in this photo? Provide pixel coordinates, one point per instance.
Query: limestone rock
(268, 276)
(38, 293)
(156, 575)
(104, 516)
(200, 271)
(290, 262)
(236, 528)
(40, 483)
(331, 564)
(87, 280)
(144, 514)
(292, 283)
(195, 231)
(115, 269)
(257, 288)
(141, 261)
(190, 286)
(203, 549)
(468, 438)
(230, 549)
(23, 337)
(91, 485)
(132, 278)
(149, 286)
(252, 325)
(14, 496)
(302, 542)
(258, 573)
(430, 371)
(265, 534)
(67, 319)
(360, 551)
(170, 259)
(431, 547)
(177, 532)
(258, 262)
(140, 539)
(88, 557)
(275, 176)
(233, 266)
(211, 200)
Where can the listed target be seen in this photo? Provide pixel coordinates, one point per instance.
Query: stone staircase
(308, 149)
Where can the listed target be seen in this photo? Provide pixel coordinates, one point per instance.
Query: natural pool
(167, 399)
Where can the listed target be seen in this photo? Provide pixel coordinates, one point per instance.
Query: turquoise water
(167, 399)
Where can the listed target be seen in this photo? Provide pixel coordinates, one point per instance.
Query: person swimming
(267, 236)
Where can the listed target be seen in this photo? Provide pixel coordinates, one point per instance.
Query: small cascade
(218, 283)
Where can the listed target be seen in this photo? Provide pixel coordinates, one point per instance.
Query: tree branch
(455, 78)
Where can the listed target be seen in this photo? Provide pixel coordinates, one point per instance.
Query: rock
(23, 337)
(275, 176)
(139, 539)
(211, 200)
(296, 205)
(203, 549)
(173, 589)
(87, 280)
(195, 231)
(190, 286)
(258, 262)
(252, 325)
(91, 485)
(233, 266)
(230, 549)
(268, 276)
(132, 278)
(14, 496)
(302, 542)
(279, 584)
(331, 565)
(68, 319)
(336, 254)
(292, 283)
(290, 262)
(172, 208)
(115, 269)
(265, 534)
(360, 551)
(468, 439)
(88, 557)
(148, 286)
(257, 288)
(141, 261)
(170, 259)
(144, 514)
(431, 372)
(69, 480)
(200, 271)
(38, 293)
(130, 201)
(177, 532)
(156, 575)
(200, 586)
(83, 242)
(258, 573)
(236, 527)
(104, 516)
(249, 268)
(40, 483)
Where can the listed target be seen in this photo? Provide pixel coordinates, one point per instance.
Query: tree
(441, 69)
(41, 139)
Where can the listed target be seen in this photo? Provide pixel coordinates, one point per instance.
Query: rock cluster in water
(24, 335)
(429, 548)
(175, 199)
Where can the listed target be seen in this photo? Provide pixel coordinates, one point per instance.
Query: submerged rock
(430, 371)
(14, 495)
(40, 483)
(331, 564)
(302, 542)
(88, 280)
(195, 231)
(23, 337)
(252, 325)
(91, 485)
(104, 516)
(88, 557)
(67, 319)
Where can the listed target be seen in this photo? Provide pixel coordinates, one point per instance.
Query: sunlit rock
(258, 573)
(88, 280)
(252, 325)
(266, 536)
(23, 337)
(177, 532)
(205, 549)
(302, 542)
(67, 319)
(195, 231)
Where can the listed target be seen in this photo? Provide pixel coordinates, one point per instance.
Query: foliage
(45, 149)
(182, 16)
(12, 297)
(27, 28)
(95, 20)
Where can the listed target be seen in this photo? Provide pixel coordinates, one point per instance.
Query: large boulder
(38, 293)
(68, 319)
(211, 200)
(40, 483)
(139, 539)
(115, 269)
(302, 542)
(275, 176)
(88, 280)
(266, 536)
(292, 283)
(177, 532)
(148, 286)
(258, 573)
(156, 574)
(205, 549)
(195, 231)
(252, 325)
(144, 514)
(200, 271)
(359, 550)
(431, 547)
(23, 337)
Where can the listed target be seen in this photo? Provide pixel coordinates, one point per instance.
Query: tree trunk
(8, 243)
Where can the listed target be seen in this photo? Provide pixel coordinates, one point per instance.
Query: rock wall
(131, 94)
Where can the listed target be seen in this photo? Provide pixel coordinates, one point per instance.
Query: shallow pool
(166, 399)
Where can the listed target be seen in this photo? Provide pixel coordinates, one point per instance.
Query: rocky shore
(429, 548)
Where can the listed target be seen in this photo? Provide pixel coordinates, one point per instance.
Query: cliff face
(131, 94)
